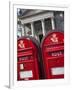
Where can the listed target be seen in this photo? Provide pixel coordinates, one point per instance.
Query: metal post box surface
(53, 54)
(27, 55)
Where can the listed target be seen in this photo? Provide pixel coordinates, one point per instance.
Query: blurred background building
(37, 23)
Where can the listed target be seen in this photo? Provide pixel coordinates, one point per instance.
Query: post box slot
(53, 44)
(25, 49)
(54, 48)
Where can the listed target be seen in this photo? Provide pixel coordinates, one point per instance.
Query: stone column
(32, 29)
(23, 29)
(43, 27)
(52, 22)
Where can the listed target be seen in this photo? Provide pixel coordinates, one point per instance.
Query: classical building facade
(37, 23)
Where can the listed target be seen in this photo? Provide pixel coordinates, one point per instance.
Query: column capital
(22, 23)
(42, 19)
(31, 22)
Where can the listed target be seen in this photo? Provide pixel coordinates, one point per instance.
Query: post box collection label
(26, 74)
(57, 71)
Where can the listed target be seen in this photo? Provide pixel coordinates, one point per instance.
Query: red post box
(27, 55)
(53, 55)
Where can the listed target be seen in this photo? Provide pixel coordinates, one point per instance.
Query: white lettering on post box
(57, 70)
(26, 74)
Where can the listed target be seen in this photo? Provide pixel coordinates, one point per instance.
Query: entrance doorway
(38, 30)
(40, 37)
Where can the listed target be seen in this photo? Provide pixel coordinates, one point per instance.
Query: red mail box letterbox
(27, 55)
(53, 55)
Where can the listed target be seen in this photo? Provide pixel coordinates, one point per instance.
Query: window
(48, 25)
(59, 20)
(38, 30)
(28, 30)
(19, 33)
